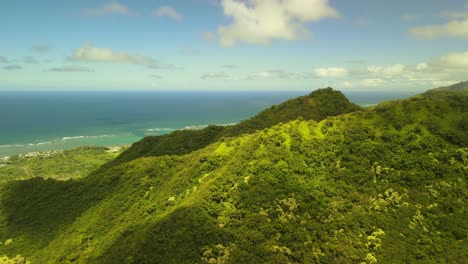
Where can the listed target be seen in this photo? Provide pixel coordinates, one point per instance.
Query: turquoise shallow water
(40, 121)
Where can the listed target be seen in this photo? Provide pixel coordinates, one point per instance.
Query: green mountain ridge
(386, 184)
(462, 86)
(318, 105)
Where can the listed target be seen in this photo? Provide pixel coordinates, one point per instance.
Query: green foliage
(382, 185)
(16, 260)
(60, 165)
(176, 143)
(317, 105)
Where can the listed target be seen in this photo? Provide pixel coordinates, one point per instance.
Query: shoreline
(74, 142)
(50, 153)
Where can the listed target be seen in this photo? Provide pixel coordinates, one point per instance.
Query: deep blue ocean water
(40, 121)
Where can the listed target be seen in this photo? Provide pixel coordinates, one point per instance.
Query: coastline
(104, 140)
(50, 153)
(57, 164)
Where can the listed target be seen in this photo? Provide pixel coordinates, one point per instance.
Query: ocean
(42, 121)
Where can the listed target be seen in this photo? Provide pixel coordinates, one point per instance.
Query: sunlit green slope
(386, 184)
(316, 106)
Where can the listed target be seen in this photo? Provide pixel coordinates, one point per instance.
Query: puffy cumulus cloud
(274, 74)
(167, 11)
(215, 75)
(455, 28)
(331, 72)
(451, 61)
(3, 59)
(387, 71)
(88, 53)
(13, 67)
(113, 8)
(71, 68)
(259, 21)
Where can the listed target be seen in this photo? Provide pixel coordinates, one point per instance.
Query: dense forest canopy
(313, 180)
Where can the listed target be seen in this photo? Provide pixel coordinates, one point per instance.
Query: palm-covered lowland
(313, 180)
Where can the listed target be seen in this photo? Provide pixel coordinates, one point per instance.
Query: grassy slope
(316, 106)
(386, 184)
(61, 165)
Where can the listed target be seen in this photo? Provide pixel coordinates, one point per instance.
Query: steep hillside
(385, 185)
(316, 106)
(462, 86)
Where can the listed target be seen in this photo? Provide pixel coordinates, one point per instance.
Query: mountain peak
(317, 106)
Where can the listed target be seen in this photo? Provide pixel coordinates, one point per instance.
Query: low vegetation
(60, 165)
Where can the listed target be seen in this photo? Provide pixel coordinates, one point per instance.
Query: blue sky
(233, 44)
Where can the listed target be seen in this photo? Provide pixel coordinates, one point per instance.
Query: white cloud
(331, 72)
(71, 68)
(167, 11)
(113, 8)
(89, 53)
(372, 82)
(387, 71)
(274, 74)
(451, 61)
(422, 66)
(454, 28)
(259, 21)
(215, 75)
(452, 67)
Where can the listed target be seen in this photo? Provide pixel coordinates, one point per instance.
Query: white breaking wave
(8, 146)
(160, 129)
(193, 127)
(80, 137)
(40, 143)
(196, 127)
